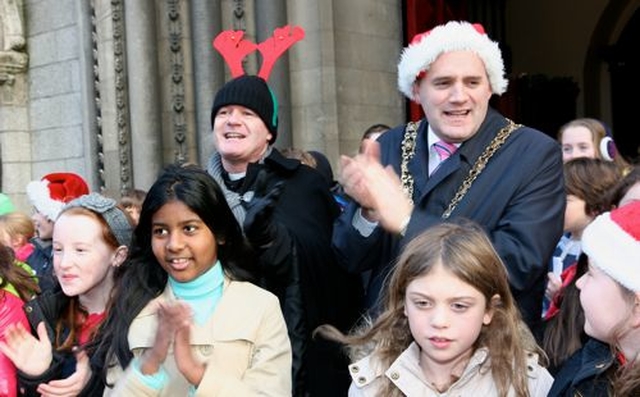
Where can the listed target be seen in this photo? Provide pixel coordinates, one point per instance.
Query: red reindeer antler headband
(234, 48)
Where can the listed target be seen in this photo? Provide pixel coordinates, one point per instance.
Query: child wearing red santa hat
(608, 364)
(48, 196)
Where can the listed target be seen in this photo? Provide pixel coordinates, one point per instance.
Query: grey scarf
(235, 200)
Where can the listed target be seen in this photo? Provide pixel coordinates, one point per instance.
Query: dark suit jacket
(518, 199)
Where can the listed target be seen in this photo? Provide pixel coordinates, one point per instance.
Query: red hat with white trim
(425, 48)
(612, 242)
(53, 191)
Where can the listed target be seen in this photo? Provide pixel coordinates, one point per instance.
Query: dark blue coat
(41, 261)
(518, 199)
(585, 373)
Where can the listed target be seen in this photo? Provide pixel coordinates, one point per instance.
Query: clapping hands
(74, 384)
(174, 326)
(33, 356)
(376, 188)
(29, 354)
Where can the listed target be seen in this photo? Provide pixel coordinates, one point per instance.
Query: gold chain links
(408, 150)
(479, 165)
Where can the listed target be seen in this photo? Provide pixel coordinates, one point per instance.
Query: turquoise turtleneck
(202, 293)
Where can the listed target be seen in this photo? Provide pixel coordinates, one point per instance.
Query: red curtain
(422, 15)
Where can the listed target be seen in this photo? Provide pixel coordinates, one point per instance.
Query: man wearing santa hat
(48, 196)
(463, 159)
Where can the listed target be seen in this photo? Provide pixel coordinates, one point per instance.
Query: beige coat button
(362, 380)
(395, 376)
(205, 350)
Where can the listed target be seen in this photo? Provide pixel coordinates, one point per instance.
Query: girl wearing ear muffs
(587, 137)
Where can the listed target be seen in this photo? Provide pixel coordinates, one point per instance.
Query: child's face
(445, 316)
(134, 212)
(575, 215)
(44, 227)
(82, 260)
(577, 141)
(604, 304)
(5, 238)
(182, 243)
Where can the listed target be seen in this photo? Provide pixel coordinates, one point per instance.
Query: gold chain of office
(409, 149)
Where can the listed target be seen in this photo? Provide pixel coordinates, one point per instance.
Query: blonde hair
(301, 155)
(464, 249)
(17, 224)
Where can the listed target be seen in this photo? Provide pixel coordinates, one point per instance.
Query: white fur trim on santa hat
(40, 197)
(613, 250)
(452, 36)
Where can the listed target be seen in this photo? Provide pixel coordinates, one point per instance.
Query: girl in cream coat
(449, 325)
(189, 323)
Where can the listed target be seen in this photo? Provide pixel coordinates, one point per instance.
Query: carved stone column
(208, 70)
(13, 56)
(14, 123)
(273, 14)
(144, 91)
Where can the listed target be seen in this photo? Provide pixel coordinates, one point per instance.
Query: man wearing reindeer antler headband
(463, 159)
(286, 212)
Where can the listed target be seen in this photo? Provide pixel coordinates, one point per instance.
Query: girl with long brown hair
(449, 324)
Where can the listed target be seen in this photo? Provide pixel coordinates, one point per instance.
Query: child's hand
(71, 386)
(177, 318)
(29, 354)
(191, 368)
(171, 317)
(554, 284)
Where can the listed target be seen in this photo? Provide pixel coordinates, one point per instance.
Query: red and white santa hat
(612, 242)
(53, 191)
(453, 36)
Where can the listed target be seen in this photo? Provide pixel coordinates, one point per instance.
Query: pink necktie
(444, 149)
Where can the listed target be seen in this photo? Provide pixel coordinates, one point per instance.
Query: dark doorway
(624, 62)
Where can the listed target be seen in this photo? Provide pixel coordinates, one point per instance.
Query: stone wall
(115, 90)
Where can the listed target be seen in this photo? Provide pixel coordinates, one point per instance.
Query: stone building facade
(116, 89)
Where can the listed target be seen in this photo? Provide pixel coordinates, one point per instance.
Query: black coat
(48, 307)
(299, 267)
